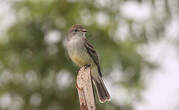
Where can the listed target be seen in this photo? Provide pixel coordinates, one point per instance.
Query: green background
(38, 73)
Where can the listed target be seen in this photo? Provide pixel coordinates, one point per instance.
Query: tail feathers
(102, 92)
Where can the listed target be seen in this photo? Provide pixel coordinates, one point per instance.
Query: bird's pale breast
(78, 52)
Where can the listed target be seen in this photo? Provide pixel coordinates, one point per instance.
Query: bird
(82, 53)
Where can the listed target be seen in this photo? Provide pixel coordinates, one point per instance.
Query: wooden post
(85, 89)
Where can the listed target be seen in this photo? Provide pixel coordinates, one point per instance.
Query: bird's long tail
(102, 92)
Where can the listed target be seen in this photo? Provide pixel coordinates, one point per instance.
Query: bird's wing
(93, 54)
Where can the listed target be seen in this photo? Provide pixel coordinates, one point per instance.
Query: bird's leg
(87, 65)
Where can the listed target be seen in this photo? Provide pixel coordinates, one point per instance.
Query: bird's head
(78, 30)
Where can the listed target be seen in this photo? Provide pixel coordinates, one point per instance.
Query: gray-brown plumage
(82, 53)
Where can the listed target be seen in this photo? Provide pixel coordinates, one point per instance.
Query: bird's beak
(84, 30)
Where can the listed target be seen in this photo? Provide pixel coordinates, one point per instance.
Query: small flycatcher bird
(82, 53)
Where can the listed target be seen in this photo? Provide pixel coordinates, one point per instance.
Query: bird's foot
(87, 65)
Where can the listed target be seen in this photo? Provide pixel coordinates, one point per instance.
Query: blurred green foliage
(31, 66)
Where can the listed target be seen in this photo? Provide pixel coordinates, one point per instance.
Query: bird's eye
(75, 30)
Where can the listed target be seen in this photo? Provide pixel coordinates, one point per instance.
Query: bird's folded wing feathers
(93, 54)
